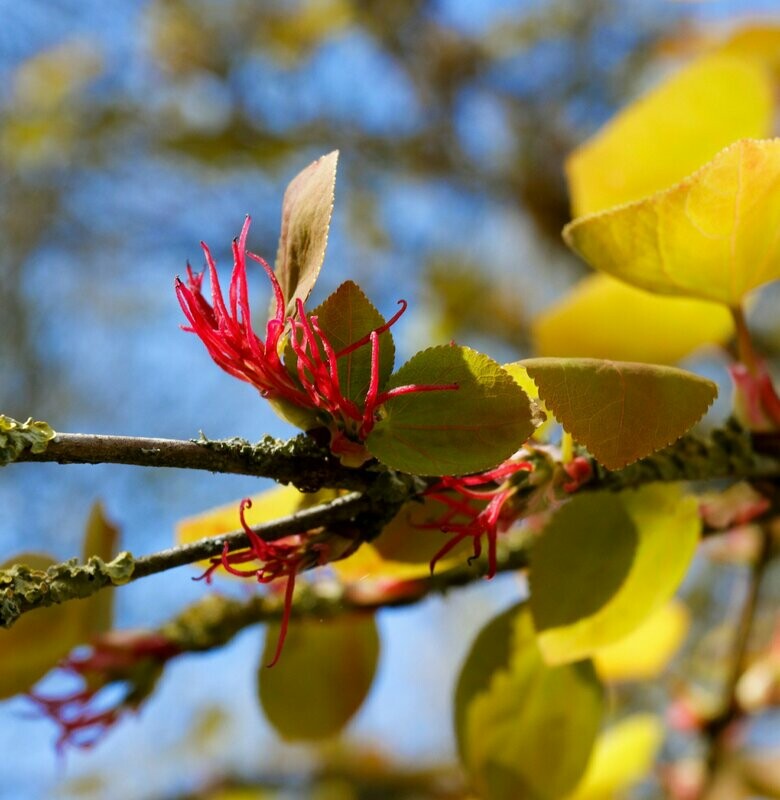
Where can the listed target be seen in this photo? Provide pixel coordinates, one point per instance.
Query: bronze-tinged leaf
(306, 213)
(621, 411)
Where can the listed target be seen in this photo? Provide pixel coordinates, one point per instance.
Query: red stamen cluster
(482, 501)
(281, 559)
(133, 659)
(226, 331)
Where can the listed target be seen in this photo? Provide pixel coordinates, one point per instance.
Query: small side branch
(23, 589)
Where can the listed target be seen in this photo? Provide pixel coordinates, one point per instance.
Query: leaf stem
(745, 349)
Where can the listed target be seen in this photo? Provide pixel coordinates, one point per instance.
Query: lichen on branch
(23, 588)
(16, 437)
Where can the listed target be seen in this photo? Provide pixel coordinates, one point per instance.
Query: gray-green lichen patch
(16, 437)
(23, 588)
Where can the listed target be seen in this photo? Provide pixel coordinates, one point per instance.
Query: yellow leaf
(39, 639)
(590, 321)
(713, 236)
(670, 131)
(667, 527)
(646, 651)
(756, 42)
(623, 755)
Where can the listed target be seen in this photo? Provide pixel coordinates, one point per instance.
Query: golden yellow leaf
(646, 651)
(591, 321)
(756, 42)
(714, 235)
(669, 132)
(622, 756)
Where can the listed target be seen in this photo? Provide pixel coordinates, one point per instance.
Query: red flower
(480, 499)
(131, 659)
(280, 559)
(226, 331)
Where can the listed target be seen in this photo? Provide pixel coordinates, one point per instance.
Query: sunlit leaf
(306, 212)
(345, 317)
(623, 755)
(39, 639)
(524, 729)
(671, 131)
(606, 405)
(713, 236)
(324, 675)
(645, 652)
(757, 43)
(667, 527)
(590, 321)
(581, 560)
(468, 429)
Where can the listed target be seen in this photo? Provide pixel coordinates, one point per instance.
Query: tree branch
(299, 461)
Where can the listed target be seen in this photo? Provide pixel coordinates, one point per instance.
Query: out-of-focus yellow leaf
(266, 507)
(592, 320)
(622, 756)
(312, 21)
(524, 729)
(39, 639)
(715, 235)
(46, 80)
(756, 42)
(646, 651)
(667, 527)
(324, 675)
(671, 131)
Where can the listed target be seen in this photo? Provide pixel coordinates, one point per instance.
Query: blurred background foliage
(131, 130)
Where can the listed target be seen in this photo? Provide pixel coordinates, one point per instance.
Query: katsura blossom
(311, 380)
(281, 559)
(476, 506)
(130, 661)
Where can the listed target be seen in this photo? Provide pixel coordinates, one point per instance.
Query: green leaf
(345, 317)
(663, 527)
(619, 410)
(16, 437)
(324, 675)
(306, 213)
(452, 432)
(581, 559)
(524, 729)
